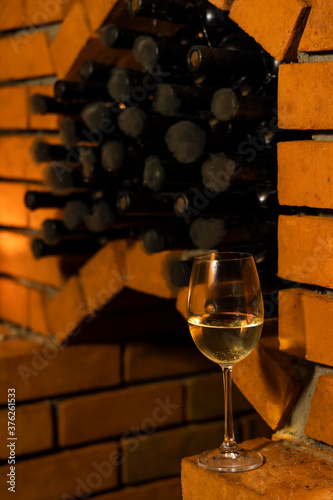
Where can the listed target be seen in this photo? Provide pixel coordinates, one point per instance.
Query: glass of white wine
(225, 316)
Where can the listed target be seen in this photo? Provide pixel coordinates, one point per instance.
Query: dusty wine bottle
(67, 91)
(229, 62)
(141, 203)
(226, 105)
(161, 54)
(94, 72)
(168, 10)
(175, 100)
(186, 141)
(159, 239)
(43, 199)
(220, 171)
(42, 151)
(161, 174)
(116, 37)
(43, 105)
(65, 248)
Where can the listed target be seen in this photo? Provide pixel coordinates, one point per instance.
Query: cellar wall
(110, 391)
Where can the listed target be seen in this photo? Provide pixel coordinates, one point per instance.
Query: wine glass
(225, 314)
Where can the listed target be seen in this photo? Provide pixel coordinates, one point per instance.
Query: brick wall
(109, 397)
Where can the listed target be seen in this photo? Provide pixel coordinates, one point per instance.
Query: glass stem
(229, 436)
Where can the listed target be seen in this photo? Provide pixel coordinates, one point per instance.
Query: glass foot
(238, 460)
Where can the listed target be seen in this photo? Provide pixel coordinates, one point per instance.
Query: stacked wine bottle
(181, 155)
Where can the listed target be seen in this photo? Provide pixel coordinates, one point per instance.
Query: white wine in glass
(225, 316)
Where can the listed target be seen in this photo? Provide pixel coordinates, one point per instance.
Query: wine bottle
(159, 174)
(161, 54)
(102, 216)
(67, 91)
(197, 202)
(168, 10)
(74, 213)
(226, 63)
(61, 179)
(175, 100)
(94, 72)
(186, 141)
(100, 116)
(141, 203)
(179, 272)
(54, 231)
(42, 151)
(43, 105)
(65, 248)
(159, 239)
(217, 232)
(116, 37)
(220, 171)
(43, 199)
(73, 131)
(227, 105)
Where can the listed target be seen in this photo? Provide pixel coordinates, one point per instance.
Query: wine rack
(179, 153)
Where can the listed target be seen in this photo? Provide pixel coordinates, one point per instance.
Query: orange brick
(204, 398)
(268, 381)
(308, 182)
(139, 407)
(15, 157)
(166, 489)
(99, 11)
(13, 210)
(17, 260)
(37, 315)
(11, 14)
(104, 275)
(66, 311)
(277, 25)
(34, 428)
(320, 417)
(318, 33)
(13, 302)
(146, 272)
(222, 4)
(38, 371)
(306, 249)
(290, 471)
(167, 447)
(310, 83)
(66, 474)
(37, 217)
(42, 122)
(73, 35)
(147, 360)
(304, 325)
(19, 59)
(38, 12)
(14, 110)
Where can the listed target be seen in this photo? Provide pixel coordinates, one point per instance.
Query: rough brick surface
(37, 311)
(148, 360)
(268, 381)
(38, 12)
(147, 273)
(38, 371)
(66, 311)
(99, 11)
(289, 472)
(19, 61)
(318, 33)
(320, 417)
(277, 25)
(310, 83)
(34, 429)
(14, 115)
(304, 325)
(104, 275)
(15, 157)
(305, 173)
(13, 302)
(204, 397)
(16, 259)
(13, 210)
(11, 14)
(167, 447)
(73, 35)
(306, 250)
(166, 489)
(64, 475)
(139, 407)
